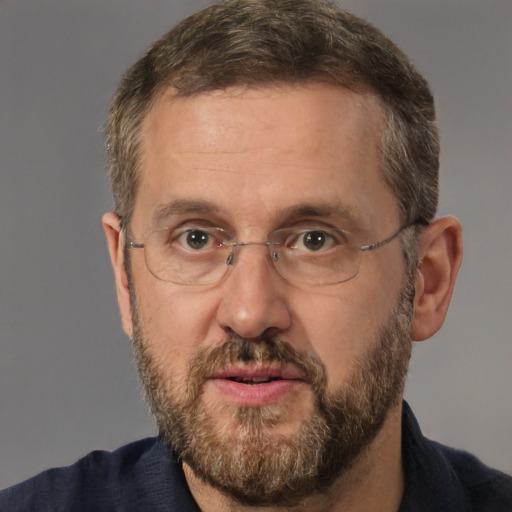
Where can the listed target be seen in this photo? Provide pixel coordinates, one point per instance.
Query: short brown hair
(252, 43)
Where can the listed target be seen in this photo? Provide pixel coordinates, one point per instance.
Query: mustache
(265, 349)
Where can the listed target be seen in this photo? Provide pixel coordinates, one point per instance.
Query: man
(274, 165)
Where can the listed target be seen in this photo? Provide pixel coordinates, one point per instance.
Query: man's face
(256, 373)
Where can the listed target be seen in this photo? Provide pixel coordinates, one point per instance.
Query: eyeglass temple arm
(380, 243)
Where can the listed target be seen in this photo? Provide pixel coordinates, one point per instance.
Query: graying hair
(252, 43)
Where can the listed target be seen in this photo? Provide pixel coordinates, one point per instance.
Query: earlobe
(115, 240)
(440, 257)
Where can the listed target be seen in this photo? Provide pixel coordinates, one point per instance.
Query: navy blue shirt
(142, 477)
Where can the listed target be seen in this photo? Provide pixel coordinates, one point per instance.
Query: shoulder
(438, 477)
(487, 489)
(138, 476)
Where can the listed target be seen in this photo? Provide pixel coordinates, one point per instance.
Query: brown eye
(196, 239)
(314, 240)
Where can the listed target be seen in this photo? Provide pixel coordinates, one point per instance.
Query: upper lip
(258, 372)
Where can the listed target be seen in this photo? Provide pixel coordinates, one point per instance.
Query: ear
(440, 257)
(115, 240)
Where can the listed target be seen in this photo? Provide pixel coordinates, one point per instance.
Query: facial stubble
(245, 458)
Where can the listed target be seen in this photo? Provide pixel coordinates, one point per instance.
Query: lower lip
(256, 395)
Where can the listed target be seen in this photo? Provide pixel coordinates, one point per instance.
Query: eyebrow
(333, 210)
(327, 209)
(184, 206)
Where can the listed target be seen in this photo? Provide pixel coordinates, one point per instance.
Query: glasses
(195, 255)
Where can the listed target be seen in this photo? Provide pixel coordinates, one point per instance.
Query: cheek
(175, 323)
(341, 328)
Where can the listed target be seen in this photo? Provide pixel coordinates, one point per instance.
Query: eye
(197, 239)
(313, 241)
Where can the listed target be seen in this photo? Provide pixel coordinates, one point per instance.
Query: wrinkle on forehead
(221, 133)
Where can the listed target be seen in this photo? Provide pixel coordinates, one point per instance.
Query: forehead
(253, 151)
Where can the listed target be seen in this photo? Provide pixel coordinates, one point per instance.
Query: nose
(253, 299)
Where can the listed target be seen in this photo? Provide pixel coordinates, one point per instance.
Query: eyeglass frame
(233, 245)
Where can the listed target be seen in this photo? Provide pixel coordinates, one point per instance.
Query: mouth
(256, 386)
(254, 381)
(258, 375)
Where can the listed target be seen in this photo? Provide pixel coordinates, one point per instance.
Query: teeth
(255, 380)
(260, 379)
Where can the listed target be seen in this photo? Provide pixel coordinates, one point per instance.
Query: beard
(235, 450)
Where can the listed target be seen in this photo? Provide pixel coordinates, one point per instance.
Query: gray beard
(246, 461)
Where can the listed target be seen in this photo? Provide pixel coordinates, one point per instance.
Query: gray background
(67, 384)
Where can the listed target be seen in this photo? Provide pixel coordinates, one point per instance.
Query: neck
(374, 482)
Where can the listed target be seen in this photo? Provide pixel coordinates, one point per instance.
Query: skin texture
(256, 155)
